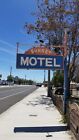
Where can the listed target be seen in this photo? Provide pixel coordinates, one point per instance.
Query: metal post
(49, 75)
(48, 83)
(44, 77)
(65, 72)
(17, 47)
(65, 85)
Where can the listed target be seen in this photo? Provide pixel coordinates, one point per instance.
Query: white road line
(12, 95)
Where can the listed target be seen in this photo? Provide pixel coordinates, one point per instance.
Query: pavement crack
(33, 115)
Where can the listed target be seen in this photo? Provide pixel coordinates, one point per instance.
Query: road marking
(12, 95)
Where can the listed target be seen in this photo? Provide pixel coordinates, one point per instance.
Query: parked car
(38, 84)
(59, 91)
(77, 86)
(3, 82)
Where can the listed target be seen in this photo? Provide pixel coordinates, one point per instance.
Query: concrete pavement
(34, 111)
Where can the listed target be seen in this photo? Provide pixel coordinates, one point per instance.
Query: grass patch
(64, 119)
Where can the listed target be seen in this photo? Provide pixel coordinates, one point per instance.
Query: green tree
(58, 78)
(52, 18)
(10, 78)
(30, 82)
(19, 81)
(0, 76)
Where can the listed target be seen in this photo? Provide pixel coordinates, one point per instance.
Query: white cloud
(7, 51)
(6, 43)
(10, 50)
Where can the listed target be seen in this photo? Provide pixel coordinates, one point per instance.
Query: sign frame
(43, 62)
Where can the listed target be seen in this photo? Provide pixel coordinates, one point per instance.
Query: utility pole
(44, 77)
(25, 77)
(25, 80)
(10, 70)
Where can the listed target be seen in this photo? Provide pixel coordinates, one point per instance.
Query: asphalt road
(11, 95)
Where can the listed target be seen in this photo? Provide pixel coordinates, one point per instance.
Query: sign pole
(44, 78)
(17, 47)
(49, 76)
(65, 85)
(48, 83)
(65, 72)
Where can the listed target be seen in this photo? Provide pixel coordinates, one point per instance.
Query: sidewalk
(34, 112)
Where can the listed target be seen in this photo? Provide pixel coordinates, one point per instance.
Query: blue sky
(13, 16)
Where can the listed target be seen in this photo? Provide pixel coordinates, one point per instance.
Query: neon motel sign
(39, 61)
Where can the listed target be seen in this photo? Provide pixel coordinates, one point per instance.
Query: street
(11, 95)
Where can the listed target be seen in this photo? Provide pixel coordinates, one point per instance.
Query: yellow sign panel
(40, 51)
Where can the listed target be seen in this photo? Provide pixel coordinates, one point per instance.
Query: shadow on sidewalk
(48, 104)
(42, 100)
(42, 129)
